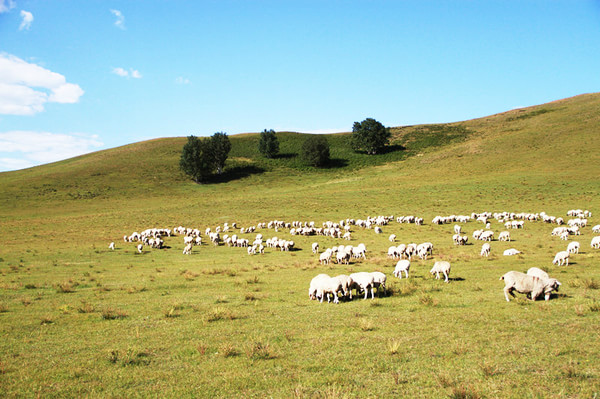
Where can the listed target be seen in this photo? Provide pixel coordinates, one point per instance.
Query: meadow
(79, 320)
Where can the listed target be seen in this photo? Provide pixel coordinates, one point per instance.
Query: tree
(197, 158)
(370, 136)
(315, 151)
(220, 147)
(268, 144)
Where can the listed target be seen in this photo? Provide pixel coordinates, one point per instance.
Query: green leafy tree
(268, 144)
(220, 147)
(315, 151)
(370, 136)
(197, 159)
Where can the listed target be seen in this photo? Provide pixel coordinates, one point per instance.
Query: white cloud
(27, 20)
(120, 22)
(6, 5)
(25, 87)
(182, 81)
(133, 73)
(20, 149)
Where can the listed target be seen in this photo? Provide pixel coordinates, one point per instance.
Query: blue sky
(79, 76)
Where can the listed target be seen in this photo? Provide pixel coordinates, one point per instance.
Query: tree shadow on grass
(385, 150)
(288, 155)
(235, 173)
(335, 163)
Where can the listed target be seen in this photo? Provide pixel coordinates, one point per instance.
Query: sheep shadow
(456, 279)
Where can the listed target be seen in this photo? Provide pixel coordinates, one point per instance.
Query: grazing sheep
(315, 283)
(315, 247)
(379, 280)
(595, 242)
(140, 248)
(573, 247)
(441, 267)
(363, 281)
(403, 265)
(111, 246)
(329, 286)
(378, 230)
(527, 284)
(325, 257)
(511, 252)
(596, 228)
(485, 249)
(346, 283)
(188, 249)
(504, 236)
(561, 258)
(392, 237)
(457, 229)
(537, 272)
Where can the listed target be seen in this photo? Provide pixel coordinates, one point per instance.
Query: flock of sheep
(533, 283)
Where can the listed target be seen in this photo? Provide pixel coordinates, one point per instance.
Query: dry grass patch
(258, 349)
(219, 313)
(112, 314)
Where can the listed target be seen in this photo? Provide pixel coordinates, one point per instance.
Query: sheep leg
(506, 292)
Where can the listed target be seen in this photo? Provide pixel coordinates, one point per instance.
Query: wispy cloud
(120, 21)
(26, 87)
(124, 73)
(6, 5)
(182, 81)
(27, 20)
(21, 149)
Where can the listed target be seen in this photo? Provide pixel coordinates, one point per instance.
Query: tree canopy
(268, 144)
(220, 146)
(370, 136)
(315, 151)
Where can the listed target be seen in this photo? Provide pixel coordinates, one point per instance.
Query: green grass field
(79, 320)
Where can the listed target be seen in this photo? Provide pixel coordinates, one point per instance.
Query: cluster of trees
(201, 157)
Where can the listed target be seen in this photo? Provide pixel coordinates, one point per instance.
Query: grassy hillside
(80, 320)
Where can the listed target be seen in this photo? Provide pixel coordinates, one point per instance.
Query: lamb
(561, 258)
(511, 252)
(111, 246)
(403, 265)
(595, 242)
(441, 267)
(362, 281)
(485, 249)
(573, 247)
(528, 284)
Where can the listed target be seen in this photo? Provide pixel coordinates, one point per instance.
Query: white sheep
(441, 267)
(379, 280)
(346, 284)
(111, 246)
(596, 228)
(537, 272)
(329, 286)
(363, 281)
(188, 249)
(561, 258)
(315, 283)
(315, 247)
(504, 236)
(140, 248)
(392, 237)
(457, 229)
(527, 284)
(325, 257)
(595, 242)
(511, 252)
(573, 247)
(403, 265)
(378, 230)
(485, 249)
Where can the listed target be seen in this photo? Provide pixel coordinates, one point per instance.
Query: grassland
(79, 320)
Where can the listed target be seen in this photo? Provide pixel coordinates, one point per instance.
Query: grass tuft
(228, 350)
(46, 320)
(219, 313)
(65, 287)
(260, 350)
(86, 307)
(112, 314)
(463, 392)
(394, 346)
(366, 325)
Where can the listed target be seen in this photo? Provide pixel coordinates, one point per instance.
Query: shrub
(268, 145)
(315, 151)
